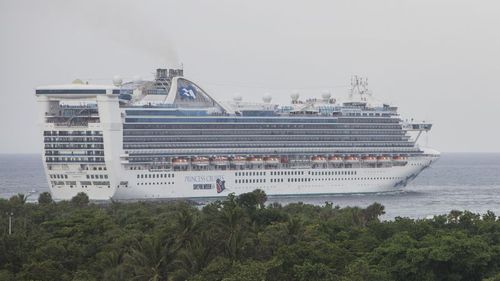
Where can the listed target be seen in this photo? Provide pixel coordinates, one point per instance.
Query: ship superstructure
(168, 138)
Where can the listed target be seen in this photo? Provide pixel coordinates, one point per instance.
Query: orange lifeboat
(271, 160)
(200, 161)
(369, 159)
(255, 160)
(399, 159)
(238, 161)
(318, 159)
(383, 159)
(220, 161)
(335, 159)
(180, 162)
(351, 159)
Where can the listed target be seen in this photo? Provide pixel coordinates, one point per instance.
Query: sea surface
(458, 181)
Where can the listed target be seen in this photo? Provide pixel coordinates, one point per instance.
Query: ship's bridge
(417, 126)
(76, 90)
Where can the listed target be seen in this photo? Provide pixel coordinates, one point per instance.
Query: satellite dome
(117, 80)
(267, 98)
(326, 95)
(137, 79)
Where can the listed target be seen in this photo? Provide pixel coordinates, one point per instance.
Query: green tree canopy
(45, 198)
(239, 238)
(81, 199)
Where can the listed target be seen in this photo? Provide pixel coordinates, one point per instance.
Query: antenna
(359, 85)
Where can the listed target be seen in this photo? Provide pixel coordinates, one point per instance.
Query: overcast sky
(438, 60)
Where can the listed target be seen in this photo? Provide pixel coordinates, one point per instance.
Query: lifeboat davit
(369, 159)
(335, 159)
(272, 160)
(220, 161)
(200, 161)
(239, 161)
(255, 160)
(351, 159)
(318, 159)
(180, 162)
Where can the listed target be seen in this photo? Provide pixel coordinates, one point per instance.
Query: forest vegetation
(240, 238)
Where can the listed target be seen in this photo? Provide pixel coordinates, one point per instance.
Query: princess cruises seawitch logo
(204, 182)
(188, 92)
(220, 185)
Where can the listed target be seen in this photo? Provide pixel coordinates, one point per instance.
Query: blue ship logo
(188, 92)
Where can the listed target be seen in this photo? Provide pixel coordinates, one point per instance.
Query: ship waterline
(168, 138)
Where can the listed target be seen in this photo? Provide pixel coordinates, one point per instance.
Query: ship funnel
(165, 74)
(161, 74)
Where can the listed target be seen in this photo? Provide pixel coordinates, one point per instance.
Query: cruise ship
(168, 138)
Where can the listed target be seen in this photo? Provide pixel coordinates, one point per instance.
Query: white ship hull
(144, 184)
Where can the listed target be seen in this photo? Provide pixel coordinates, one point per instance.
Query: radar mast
(359, 87)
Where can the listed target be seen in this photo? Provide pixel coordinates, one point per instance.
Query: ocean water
(460, 181)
